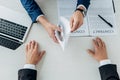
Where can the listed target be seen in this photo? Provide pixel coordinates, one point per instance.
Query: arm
(36, 14)
(32, 9)
(33, 56)
(27, 74)
(107, 70)
(77, 18)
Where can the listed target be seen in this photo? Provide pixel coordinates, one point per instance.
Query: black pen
(106, 21)
(113, 6)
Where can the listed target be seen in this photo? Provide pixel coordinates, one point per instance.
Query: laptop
(14, 27)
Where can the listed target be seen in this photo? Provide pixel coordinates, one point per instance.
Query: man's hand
(76, 20)
(100, 52)
(33, 56)
(50, 28)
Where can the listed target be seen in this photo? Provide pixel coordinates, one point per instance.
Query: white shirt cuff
(82, 6)
(29, 66)
(39, 17)
(105, 62)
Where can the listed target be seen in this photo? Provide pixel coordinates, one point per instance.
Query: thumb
(75, 26)
(41, 54)
(26, 49)
(71, 22)
(91, 52)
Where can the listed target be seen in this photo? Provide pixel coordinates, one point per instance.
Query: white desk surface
(72, 64)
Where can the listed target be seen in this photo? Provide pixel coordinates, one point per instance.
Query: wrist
(43, 21)
(82, 10)
(102, 59)
(30, 62)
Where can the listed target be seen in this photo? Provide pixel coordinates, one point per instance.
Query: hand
(50, 28)
(76, 20)
(100, 52)
(33, 56)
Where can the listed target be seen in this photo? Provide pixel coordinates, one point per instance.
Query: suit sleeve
(86, 3)
(32, 9)
(27, 74)
(109, 72)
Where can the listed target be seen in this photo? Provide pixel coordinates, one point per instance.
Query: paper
(93, 25)
(63, 36)
(96, 25)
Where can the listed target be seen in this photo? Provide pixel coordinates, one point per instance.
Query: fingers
(102, 42)
(91, 52)
(75, 26)
(95, 44)
(52, 32)
(36, 46)
(99, 41)
(55, 39)
(29, 45)
(71, 22)
(32, 44)
(52, 35)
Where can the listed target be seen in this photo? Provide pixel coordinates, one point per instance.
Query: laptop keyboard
(12, 29)
(9, 43)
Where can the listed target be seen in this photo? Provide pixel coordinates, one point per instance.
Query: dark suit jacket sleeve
(86, 3)
(32, 8)
(109, 72)
(27, 74)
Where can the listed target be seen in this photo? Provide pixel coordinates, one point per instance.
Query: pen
(106, 21)
(113, 6)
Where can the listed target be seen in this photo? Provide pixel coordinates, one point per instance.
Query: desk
(72, 64)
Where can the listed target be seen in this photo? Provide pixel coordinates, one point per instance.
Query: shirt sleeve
(29, 66)
(105, 62)
(86, 3)
(32, 9)
(82, 6)
(37, 19)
